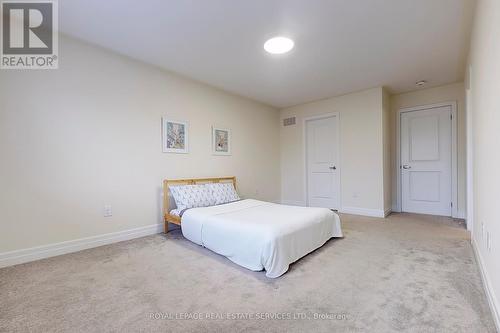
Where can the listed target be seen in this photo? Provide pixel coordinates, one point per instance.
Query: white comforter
(261, 235)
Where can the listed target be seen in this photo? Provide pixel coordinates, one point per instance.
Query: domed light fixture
(278, 45)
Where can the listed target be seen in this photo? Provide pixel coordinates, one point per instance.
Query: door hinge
(451, 116)
(451, 204)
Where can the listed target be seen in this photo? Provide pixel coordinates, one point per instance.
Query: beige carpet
(406, 273)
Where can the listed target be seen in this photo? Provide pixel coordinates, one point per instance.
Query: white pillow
(191, 196)
(223, 192)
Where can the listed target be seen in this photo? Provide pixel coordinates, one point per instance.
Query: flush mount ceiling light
(278, 45)
(421, 83)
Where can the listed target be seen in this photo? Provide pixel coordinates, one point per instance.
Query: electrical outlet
(108, 211)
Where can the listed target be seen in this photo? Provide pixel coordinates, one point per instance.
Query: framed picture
(175, 135)
(221, 141)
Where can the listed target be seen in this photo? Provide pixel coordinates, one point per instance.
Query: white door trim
(304, 145)
(470, 155)
(454, 170)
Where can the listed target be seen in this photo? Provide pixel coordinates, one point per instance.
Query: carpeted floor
(407, 273)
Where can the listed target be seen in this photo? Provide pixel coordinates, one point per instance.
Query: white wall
(447, 93)
(484, 62)
(89, 134)
(361, 150)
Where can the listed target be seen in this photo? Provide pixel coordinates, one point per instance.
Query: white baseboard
(51, 250)
(348, 210)
(490, 294)
(363, 211)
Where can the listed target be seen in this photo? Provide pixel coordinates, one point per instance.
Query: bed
(254, 234)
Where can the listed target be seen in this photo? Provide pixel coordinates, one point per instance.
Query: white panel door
(426, 161)
(322, 159)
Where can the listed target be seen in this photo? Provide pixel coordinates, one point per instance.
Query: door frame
(304, 143)
(454, 157)
(469, 211)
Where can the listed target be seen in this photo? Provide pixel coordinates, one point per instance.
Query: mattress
(261, 235)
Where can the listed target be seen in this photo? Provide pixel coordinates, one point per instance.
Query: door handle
(333, 168)
(406, 166)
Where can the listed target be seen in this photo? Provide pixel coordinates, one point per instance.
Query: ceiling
(341, 46)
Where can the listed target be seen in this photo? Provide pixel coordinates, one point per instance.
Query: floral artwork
(221, 141)
(175, 136)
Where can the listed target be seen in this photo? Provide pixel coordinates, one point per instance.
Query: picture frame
(175, 136)
(221, 141)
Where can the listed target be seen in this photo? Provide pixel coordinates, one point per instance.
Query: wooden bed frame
(166, 197)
